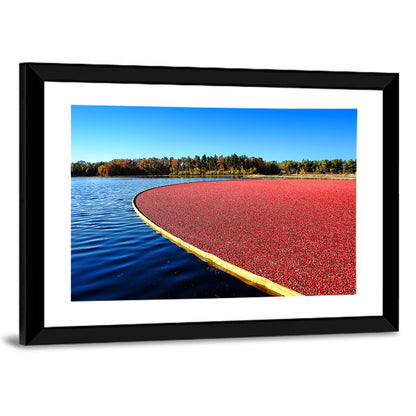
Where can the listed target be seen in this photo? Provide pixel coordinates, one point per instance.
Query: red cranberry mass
(297, 233)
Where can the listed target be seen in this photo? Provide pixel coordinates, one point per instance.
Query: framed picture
(178, 203)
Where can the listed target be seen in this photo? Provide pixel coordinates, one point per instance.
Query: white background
(337, 374)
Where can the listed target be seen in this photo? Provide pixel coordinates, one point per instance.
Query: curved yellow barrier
(251, 279)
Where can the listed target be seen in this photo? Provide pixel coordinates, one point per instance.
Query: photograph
(208, 208)
(192, 202)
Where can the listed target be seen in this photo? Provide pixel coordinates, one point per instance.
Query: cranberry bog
(286, 237)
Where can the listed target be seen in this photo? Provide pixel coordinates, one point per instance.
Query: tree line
(210, 165)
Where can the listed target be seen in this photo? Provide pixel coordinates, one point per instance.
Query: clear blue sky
(103, 133)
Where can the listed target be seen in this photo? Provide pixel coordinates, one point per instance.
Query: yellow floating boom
(251, 279)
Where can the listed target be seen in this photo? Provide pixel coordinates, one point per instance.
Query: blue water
(116, 256)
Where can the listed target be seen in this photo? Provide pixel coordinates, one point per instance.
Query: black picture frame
(32, 285)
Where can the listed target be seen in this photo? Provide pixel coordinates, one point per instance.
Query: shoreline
(330, 176)
(324, 176)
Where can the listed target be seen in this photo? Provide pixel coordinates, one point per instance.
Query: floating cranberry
(299, 234)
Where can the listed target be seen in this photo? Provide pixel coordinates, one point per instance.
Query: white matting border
(60, 311)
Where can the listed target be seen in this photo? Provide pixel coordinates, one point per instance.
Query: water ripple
(115, 256)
